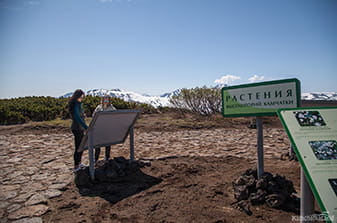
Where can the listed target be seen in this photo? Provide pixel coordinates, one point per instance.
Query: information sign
(313, 133)
(260, 99)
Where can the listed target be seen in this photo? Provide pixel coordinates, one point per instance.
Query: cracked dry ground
(37, 182)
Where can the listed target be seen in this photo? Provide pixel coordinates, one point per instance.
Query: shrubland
(25, 109)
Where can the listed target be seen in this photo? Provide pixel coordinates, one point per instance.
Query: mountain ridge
(163, 99)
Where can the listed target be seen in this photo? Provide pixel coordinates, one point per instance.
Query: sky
(52, 47)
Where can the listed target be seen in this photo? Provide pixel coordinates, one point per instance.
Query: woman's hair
(76, 95)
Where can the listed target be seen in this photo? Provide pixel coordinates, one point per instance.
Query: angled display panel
(109, 128)
(313, 133)
(260, 99)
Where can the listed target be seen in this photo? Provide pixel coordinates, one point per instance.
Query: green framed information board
(313, 134)
(260, 99)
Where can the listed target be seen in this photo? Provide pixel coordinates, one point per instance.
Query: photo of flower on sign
(309, 118)
(324, 150)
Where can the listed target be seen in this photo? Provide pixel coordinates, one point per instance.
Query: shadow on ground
(115, 180)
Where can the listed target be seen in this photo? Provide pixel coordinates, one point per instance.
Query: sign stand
(307, 205)
(291, 151)
(91, 154)
(307, 199)
(260, 164)
(91, 151)
(106, 129)
(132, 145)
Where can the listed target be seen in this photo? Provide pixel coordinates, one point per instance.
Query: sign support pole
(291, 149)
(132, 145)
(91, 155)
(307, 199)
(260, 165)
(307, 207)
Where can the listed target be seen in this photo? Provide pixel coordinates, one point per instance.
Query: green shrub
(89, 104)
(202, 101)
(8, 117)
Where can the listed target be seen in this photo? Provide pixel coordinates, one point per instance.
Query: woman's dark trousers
(78, 138)
(107, 153)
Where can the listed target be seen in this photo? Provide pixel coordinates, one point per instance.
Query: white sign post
(109, 128)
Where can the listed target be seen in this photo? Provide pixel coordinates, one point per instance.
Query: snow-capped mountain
(156, 101)
(163, 100)
(170, 94)
(330, 96)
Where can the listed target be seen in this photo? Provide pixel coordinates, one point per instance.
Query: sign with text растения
(313, 133)
(260, 99)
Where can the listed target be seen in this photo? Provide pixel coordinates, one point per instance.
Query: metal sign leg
(132, 146)
(307, 200)
(291, 151)
(260, 165)
(91, 156)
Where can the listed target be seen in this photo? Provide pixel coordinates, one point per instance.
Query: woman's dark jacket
(77, 115)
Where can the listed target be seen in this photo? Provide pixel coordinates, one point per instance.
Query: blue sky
(51, 47)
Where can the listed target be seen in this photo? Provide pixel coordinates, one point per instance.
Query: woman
(78, 125)
(104, 106)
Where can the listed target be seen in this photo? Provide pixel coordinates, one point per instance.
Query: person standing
(104, 106)
(78, 125)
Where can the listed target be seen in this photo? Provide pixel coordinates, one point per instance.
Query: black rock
(258, 197)
(100, 175)
(261, 184)
(292, 204)
(272, 187)
(267, 176)
(275, 200)
(250, 181)
(244, 206)
(240, 181)
(252, 172)
(82, 178)
(111, 174)
(241, 192)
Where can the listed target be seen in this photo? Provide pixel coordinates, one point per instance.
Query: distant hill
(163, 100)
(328, 96)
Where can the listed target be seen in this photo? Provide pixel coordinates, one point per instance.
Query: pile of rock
(114, 170)
(274, 190)
(115, 180)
